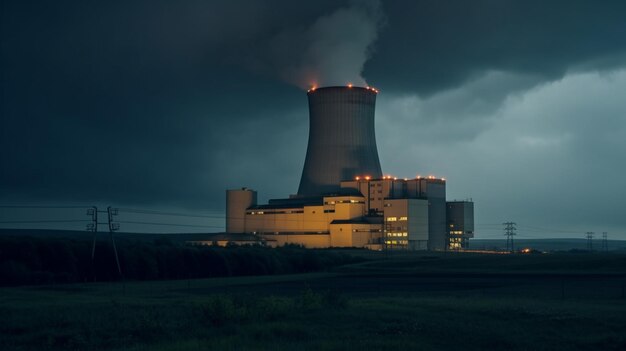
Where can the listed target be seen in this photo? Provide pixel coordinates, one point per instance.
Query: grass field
(423, 302)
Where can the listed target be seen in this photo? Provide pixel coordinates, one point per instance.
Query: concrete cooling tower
(342, 141)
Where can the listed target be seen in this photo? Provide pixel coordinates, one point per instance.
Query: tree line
(36, 260)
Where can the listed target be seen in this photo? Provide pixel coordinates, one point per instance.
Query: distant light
(367, 177)
(357, 178)
(405, 179)
(349, 85)
(443, 179)
(395, 178)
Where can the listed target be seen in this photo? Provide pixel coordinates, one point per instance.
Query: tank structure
(342, 140)
(237, 202)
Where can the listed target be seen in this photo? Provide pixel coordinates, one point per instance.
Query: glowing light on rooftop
(349, 85)
(367, 177)
(357, 178)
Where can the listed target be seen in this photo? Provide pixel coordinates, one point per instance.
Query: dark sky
(521, 105)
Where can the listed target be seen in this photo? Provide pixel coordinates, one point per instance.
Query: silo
(342, 141)
(237, 202)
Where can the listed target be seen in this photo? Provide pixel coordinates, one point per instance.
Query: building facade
(385, 213)
(343, 199)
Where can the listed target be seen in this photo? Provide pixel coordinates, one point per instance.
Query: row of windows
(274, 212)
(283, 212)
(397, 242)
(344, 202)
(394, 219)
(397, 234)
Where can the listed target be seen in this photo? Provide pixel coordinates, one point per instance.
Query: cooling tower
(342, 141)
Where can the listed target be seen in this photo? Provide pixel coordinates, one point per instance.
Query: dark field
(423, 301)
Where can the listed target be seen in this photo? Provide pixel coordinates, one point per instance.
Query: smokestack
(342, 141)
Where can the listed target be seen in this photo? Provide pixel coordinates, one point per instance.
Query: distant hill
(546, 244)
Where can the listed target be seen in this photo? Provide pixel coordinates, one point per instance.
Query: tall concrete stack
(342, 141)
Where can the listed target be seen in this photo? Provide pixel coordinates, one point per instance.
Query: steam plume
(332, 51)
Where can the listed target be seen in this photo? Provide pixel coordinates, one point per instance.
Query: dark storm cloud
(433, 45)
(162, 104)
(134, 101)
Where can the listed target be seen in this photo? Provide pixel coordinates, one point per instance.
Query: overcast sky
(520, 105)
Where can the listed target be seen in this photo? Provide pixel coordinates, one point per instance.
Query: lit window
(403, 218)
(392, 219)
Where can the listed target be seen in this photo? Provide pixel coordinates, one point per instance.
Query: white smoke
(332, 51)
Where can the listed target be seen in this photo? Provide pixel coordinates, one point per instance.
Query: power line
(46, 221)
(169, 224)
(165, 213)
(38, 206)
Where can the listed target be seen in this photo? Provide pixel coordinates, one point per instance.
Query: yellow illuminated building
(387, 213)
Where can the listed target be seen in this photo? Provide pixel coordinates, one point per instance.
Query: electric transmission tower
(509, 232)
(93, 227)
(113, 226)
(605, 241)
(589, 236)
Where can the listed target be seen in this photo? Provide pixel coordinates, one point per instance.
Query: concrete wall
(460, 223)
(307, 219)
(354, 234)
(407, 223)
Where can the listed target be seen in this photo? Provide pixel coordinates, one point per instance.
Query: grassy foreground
(315, 312)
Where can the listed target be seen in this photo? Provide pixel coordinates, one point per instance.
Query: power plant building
(343, 199)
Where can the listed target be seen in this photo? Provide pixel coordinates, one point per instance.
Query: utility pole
(93, 227)
(589, 236)
(605, 241)
(509, 232)
(111, 212)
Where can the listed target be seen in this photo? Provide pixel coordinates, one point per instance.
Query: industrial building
(344, 200)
